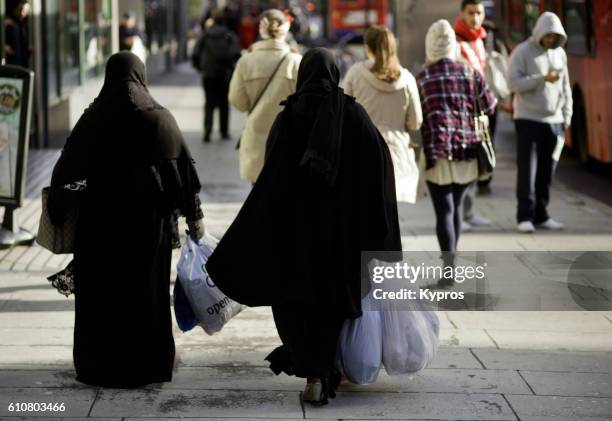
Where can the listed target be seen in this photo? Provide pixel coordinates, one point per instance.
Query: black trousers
(448, 204)
(534, 158)
(216, 90)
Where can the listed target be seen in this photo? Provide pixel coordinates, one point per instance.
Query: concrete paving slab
(26, 356)
(465, 338)
(527, 360)
(549, 321)
(232, 378)
(36, 336)
(570, 384)
(63, 419)
(204, 355)
(436, 406)
(543, 340)
(77, 402)
(554, 407)
(197, 403)
(37, 319)
(447, 381)
(48, 378)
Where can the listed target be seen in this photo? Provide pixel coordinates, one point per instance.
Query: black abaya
(140, 177)
(296, 243)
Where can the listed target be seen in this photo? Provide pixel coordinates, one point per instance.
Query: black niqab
(317, 83)
(140, 178)
(299, 234)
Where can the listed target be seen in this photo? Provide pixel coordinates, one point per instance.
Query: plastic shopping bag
(410, 339)
(360, 347)
(185, 317)
(212, 307)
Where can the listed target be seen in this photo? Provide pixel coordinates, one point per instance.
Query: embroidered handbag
(59, 239)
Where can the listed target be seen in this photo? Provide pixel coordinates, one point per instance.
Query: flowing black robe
(140, 178)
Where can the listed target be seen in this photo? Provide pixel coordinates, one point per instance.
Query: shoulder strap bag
(485, 151)
(264, 90)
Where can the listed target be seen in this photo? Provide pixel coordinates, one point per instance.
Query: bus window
(577, 25)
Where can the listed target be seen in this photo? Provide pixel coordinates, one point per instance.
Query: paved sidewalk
(491, 365)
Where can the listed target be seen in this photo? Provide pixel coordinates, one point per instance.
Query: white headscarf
(264, 25)
(441, 42)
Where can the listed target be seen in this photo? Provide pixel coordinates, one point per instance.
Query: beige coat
(395, 109)
(253, 71)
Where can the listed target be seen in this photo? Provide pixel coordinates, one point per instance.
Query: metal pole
(2, 32)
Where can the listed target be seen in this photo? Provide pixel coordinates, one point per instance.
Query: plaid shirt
(447, 95)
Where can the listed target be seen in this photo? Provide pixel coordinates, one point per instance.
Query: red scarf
(469, 34)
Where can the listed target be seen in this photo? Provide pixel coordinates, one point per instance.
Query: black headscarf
(125, 143)
(125, 86)
(317, 87)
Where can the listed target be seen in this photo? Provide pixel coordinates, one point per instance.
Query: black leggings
(448, 203)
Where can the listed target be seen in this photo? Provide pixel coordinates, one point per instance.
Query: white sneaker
(479, 221)
(551, 224)
(525, 227)
(466, 226)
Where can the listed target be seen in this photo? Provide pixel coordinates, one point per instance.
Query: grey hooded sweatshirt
(535, 99)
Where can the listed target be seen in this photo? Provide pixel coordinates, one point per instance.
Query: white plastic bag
(360, 347)
(212, 308)
(410, 339)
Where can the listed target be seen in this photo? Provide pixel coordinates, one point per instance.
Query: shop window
(97, 29)
(69, 44)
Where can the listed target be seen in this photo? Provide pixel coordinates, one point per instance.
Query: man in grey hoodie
(539, 79)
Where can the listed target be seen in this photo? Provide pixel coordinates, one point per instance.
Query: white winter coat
(252, 72)
(395, 109)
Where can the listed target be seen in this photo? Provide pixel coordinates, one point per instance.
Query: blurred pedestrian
(390, 95)
(325, 193)
(470, 35)
(140, 177)
(16, 44)
(215, 55)
(131, 38)
(264, 76)
(448, 92)
(539, 78)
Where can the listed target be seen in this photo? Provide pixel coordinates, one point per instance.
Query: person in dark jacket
(215, 55)
(325, 193)
(140, 177)
(16, 47)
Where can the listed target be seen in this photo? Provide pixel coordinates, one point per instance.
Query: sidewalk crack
(511, 408)
(491, 337)
(477, 359)
(302, 406)
(526, 382)
(93, 403)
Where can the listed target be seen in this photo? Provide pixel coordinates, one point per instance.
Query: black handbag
(485, 153)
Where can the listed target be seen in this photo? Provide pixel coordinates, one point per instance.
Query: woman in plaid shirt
(448, 96)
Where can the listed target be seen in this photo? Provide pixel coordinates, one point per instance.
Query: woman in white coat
(390, 95)
(264, 76)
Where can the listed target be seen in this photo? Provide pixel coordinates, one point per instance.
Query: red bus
(588, 24)
(354, 16)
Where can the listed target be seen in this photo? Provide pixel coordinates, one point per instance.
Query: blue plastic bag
(185, 317)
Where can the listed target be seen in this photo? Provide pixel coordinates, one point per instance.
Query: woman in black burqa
(326, 193)
(140, 178)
